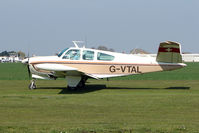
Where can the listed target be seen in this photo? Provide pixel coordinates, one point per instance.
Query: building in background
(11, 56)
(185, 57)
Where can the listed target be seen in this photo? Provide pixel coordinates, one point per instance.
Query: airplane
(77, 64)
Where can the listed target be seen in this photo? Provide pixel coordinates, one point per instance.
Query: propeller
(29, 73)
(28, 66)
(27, 62)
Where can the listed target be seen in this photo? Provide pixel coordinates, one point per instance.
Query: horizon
(46, 27)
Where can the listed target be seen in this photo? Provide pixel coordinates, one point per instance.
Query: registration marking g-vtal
(124, 69)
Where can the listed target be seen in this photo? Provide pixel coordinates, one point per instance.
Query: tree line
(104, 48)
(19, 54)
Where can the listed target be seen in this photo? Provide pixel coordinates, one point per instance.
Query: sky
(45, 27)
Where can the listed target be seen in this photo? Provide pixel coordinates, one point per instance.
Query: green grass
(119, 105)
(13, 71)
(18, 71)
(122, 106)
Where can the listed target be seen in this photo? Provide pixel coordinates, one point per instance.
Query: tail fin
(169, 52)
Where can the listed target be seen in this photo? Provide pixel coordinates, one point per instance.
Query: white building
(185, 57)
(4, 59)
(190, 57)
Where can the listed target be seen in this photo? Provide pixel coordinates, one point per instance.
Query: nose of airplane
(25, 61)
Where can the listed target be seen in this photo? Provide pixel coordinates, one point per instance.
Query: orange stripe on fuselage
(97, 63)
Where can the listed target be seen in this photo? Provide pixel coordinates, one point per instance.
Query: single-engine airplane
(77, 64)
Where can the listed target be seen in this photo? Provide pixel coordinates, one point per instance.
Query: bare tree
(112, 50)
(105, 48)
(21, 54)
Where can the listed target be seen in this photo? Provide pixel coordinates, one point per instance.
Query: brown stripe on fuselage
(40, 70)
(96, 63)
(112, 68)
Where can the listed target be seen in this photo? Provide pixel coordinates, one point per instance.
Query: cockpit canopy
(73, 54)
(85, 54)
(60, 54)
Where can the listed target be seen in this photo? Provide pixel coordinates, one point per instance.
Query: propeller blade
(28, 57)
(28, 66)
(29, 73)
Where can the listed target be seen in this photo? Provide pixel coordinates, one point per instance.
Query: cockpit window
(60, 54)
(104, 57)
(88, 55)
(73, 54)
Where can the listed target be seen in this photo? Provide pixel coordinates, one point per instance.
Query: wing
(55, 67)
(62, 70)
(59, 70)
(101, 76)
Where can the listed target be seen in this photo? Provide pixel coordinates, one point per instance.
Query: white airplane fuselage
(123, 64)
(75, 63)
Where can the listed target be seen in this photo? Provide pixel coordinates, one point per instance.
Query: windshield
(73, 54)
(62, 52)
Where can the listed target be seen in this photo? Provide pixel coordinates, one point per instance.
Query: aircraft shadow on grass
(87, 89)
(93, 88)
(178, 88)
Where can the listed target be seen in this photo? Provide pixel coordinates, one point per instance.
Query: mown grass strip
(18, 71)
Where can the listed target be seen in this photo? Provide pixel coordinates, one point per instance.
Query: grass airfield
(166, 102)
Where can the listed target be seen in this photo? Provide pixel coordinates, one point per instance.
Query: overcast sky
(48, 26)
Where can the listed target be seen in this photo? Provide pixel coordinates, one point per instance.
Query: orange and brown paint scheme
(110, 64)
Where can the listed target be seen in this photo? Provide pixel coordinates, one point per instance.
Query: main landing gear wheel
(82, 82)
(76, 83)
(32, 85)
(72, 88)
(80, 85)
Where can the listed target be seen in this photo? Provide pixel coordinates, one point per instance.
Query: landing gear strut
(81, 84)
(32, 85)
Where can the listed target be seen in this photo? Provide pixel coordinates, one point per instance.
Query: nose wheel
(32, 85)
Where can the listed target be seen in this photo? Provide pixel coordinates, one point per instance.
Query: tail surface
(169, 52)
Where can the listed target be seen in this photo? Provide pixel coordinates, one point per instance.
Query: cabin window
(88, 55)
(73, 54)
(105, 57)
(60, 54)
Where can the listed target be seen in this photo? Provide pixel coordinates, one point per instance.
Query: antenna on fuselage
(75, 43)
(84, 44)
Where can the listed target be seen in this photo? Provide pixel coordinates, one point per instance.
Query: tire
(72, 88)
(81, 84)
(32, 86)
